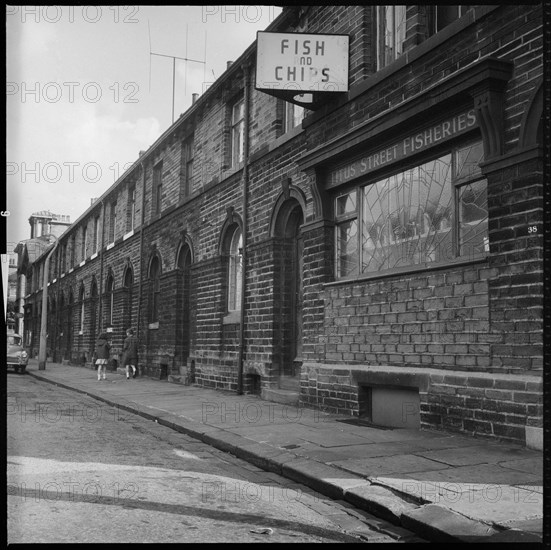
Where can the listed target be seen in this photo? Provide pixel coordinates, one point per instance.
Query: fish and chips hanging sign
(302, 68)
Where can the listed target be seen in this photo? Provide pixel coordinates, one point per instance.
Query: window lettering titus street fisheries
(409, 145)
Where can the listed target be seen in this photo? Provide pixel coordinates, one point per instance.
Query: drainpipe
(245, 180)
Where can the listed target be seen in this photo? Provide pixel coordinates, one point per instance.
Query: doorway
(289, 298)
(184, 304)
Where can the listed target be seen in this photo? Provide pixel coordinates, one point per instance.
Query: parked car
(17, 356)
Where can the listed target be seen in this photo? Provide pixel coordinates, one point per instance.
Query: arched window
(154, 281)
(235, 271)
(109, 291)
(81, 316)
(127, 304)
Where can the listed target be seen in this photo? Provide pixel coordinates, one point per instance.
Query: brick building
(379, 255)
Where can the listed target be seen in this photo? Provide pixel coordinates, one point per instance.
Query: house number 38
(533, 229)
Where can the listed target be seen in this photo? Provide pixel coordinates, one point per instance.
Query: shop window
(431, 213)
(391, 33)
(157, 187)
(347, 234)
(235, 271)
(237, 132)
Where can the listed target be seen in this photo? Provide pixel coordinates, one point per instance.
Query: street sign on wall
(306, 67)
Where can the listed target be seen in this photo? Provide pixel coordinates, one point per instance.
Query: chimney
(141, 153)
(229, 64)
(194, 98)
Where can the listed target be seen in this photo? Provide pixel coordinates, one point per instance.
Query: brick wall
(437, 319)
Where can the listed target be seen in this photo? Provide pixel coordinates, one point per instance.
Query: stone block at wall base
(177, 379)
(534, 438)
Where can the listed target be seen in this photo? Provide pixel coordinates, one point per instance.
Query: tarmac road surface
(83, 471)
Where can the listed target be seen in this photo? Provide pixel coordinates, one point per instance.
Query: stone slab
(476, 454)
(380, 501)
(374, 467)
(528, 465)
(438, 524)
(478, 473)
(321, 477)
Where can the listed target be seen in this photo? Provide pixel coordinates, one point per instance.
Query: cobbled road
(81, 471)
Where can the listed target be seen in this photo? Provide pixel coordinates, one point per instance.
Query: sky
(84, 94)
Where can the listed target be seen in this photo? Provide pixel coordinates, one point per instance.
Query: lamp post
(44, 314)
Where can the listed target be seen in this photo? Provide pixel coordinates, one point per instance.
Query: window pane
(407, 218)
(347, 248)
(391, 29)
(467, 160)
(238, 112)
(235, 272)
(473, 219)
(298, 115)
(346, 204)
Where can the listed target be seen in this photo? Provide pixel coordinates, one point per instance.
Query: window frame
(237, 133)
(436, 26)
(112, 220)
(72, 251)
(455, 186)
(381, 35)
(84, 244)
(131, 208)
(235, 270)
(157, 183)
(96, 234)
(187, 166)
(289, 116)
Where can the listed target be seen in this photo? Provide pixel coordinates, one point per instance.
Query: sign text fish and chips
(297, 63)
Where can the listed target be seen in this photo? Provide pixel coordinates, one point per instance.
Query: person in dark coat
(130, 351)
(103, 349)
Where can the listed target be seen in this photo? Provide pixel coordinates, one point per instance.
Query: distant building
(45, 228)
(46, 223)
(12, 291)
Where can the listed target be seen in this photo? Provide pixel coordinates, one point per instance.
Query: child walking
(102, 353)
(130, 351)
